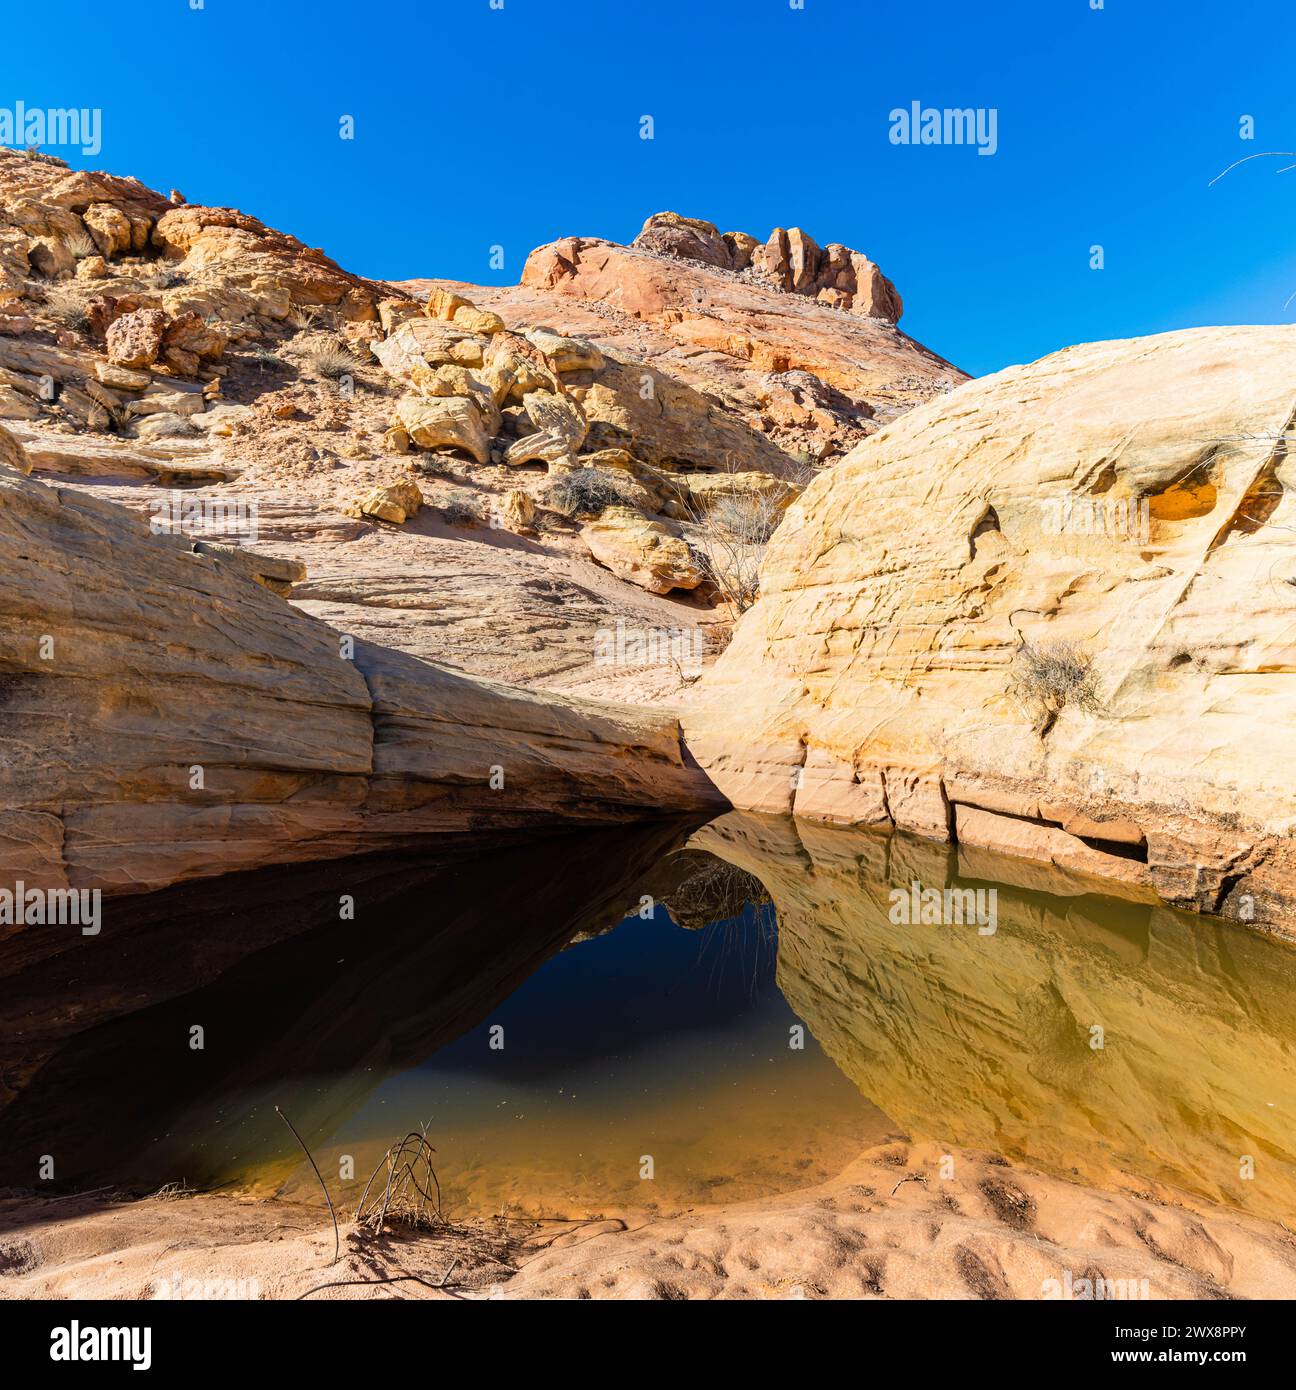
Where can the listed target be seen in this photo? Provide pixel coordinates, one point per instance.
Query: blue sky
(477, 127)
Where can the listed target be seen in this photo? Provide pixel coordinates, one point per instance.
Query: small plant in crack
(1046, 677)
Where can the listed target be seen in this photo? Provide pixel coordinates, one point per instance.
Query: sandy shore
(891, 1225)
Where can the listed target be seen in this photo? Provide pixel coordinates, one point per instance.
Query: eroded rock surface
(648, 553)
(148, 344)
(167, 717)
(1124, 507)
(796, 343)
(789, 260)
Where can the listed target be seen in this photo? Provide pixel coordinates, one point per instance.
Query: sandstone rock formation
(648, 553)
(482, 390)
(395, 502)
(548, 408)
(439, 422)
(44, 203)
(273, 392)
(517, 511)
(99, 276)
(135, 339)
(166, 718)
(241, 358)
(707, 490)
(270, 571)
(687, 239)
(790, 261)
(1119, 510)
(50, 216)
(763, 343)
(909, 595)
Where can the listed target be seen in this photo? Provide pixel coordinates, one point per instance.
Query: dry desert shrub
(1046, 677)
(81, 244)
(751, 519)
(585, 492)
(164, 277)
(65, 302)
(732, 534)
(409, 1193)
(459, 509)
(264, 360)
(102, 420)
(325, 355)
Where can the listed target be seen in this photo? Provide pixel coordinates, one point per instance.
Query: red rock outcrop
(789, 260)
(799, 344)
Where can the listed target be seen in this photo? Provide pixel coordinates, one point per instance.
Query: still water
(656, 1018)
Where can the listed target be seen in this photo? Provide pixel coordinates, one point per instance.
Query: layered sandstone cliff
(399, 453)
(1054, 613)
(166, 717)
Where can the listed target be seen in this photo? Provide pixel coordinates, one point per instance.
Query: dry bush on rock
(1046, 677)
(732, 534)
(585, 492)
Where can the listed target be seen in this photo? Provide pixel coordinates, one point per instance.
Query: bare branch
(1263, 154)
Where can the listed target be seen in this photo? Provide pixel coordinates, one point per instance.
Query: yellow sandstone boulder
(648, 553)
(395, 502)
(439, 422)
(1052, 612)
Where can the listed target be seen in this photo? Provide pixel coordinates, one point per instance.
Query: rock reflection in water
(659, 1037)
(986, 1040)
(297, 1006)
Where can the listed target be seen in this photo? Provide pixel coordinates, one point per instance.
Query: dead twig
(908, 1177)
(384, 1279)
(337, 1240)
(1261, 154)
